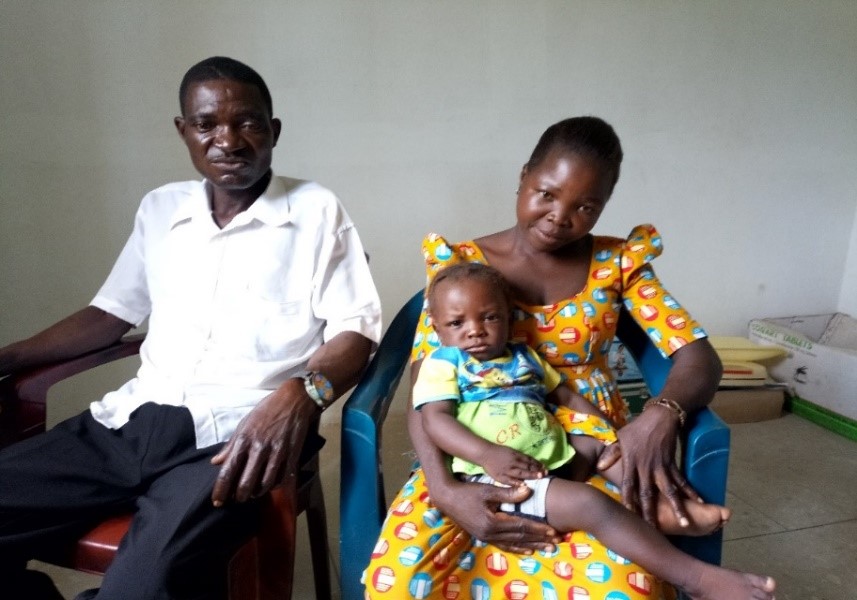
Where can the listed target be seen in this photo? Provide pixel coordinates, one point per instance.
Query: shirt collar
(271, 208)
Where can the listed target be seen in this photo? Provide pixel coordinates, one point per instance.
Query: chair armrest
(706, 455)
(705, 463)
(23, 395)
(362, 505)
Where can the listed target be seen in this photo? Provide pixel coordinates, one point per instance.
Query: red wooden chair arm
(262, 569)
(23, 395)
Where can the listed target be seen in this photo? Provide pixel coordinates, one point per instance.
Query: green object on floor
(635, 393)
(821, 416)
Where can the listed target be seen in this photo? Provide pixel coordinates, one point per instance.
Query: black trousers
(55, 486)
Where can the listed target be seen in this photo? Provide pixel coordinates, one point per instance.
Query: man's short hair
(223, 67)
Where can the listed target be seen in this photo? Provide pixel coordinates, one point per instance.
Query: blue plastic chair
(362, 503)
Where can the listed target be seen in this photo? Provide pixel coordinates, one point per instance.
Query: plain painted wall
(739, 123)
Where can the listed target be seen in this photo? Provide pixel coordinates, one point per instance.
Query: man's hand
(266, 446)
(510, 466)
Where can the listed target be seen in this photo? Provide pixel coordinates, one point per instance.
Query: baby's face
(470, 315)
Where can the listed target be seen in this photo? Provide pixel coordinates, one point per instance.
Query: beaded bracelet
(670, 404)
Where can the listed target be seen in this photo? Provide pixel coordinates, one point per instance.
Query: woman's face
(560, 200)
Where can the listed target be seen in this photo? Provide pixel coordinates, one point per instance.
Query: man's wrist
(318, 387)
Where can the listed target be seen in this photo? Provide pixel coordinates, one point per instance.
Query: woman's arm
(693, 378)
(649, 441)
(474, 506)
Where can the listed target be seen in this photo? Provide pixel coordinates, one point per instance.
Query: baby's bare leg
(573, 505)
(586, 452)
(703, 518)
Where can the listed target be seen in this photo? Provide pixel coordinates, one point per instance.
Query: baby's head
(471, 308)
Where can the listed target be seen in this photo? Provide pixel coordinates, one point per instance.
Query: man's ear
(179, 122)
(276, 127)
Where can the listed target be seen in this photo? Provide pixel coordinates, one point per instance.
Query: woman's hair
(589, 137)
(472, 270)
(223, 67)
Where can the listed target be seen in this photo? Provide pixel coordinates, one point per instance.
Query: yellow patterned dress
(422, 554)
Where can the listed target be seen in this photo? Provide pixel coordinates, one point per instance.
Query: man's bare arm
(88, 329)
(267, 444)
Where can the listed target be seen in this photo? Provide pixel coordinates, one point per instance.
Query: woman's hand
(648, 449)
(648, 442)
(475, 508)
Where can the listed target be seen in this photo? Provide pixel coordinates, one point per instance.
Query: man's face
(229, 132)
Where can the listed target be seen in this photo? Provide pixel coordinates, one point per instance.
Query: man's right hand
(475, 508)
(266, 446)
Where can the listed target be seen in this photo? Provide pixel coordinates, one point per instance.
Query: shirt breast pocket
(281, 327)
(288, 308)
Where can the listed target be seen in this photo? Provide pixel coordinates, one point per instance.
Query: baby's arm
(500, 462)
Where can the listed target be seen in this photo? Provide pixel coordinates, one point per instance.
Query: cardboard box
(821, 365)
(749, 405)
(734, 405)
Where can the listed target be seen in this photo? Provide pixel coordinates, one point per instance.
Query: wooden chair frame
(263, 569)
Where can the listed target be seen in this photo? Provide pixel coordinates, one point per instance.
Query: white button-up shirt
(234, 312)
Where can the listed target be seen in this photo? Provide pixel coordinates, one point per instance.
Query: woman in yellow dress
(568, 287)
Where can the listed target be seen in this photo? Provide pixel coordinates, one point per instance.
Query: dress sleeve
(437, 253)
(666, 322)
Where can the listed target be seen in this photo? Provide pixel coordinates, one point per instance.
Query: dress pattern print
(421, 554)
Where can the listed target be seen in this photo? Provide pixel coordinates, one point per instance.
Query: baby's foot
(716, 583)
(702, 518)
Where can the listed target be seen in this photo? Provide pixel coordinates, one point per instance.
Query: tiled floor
(792, 485)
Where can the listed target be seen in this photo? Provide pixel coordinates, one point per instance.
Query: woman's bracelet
(670, 404)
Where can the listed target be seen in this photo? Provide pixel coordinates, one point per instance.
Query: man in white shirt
(261, 312)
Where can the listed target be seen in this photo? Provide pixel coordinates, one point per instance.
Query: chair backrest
(362, 501)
